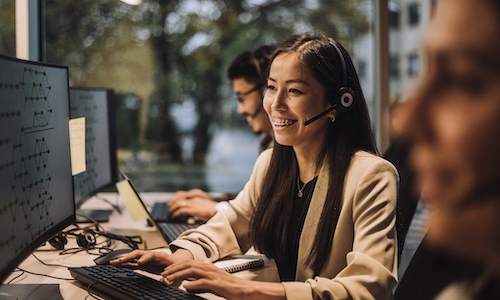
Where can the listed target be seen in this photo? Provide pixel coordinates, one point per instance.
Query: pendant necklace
(301, 189)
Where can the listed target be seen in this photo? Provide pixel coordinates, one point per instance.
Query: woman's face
(250, 105)
(453, 122)
(293, 97)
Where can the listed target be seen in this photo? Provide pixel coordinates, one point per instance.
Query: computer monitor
(36, 186)
(97, 106)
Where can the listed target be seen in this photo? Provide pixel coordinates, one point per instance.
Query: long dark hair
(350, 131)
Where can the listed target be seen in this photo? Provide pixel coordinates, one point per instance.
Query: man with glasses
(248, 74)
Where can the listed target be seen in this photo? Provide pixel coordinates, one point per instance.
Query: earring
(333, 118)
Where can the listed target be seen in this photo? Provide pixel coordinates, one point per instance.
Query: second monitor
(97, 106)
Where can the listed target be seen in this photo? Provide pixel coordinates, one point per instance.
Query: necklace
(301, 189)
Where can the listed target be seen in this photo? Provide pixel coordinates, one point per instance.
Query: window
(413, 64)
(362, 70)
(394, 67)
(178, 126)
(414, 14)
(394, 15)
(7, 28)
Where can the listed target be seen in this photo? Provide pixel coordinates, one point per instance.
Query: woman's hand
(151, 261)
(196, 203)
(206, 277)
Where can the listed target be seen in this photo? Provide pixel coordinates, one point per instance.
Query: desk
(118, 224)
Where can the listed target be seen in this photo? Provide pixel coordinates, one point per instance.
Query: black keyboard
(126, 284)
(172, 230)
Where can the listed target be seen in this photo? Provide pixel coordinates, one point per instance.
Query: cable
(96, 224)
(118, 209)
(22, 272)
(90, 293)
(46, 264)
(49, 276)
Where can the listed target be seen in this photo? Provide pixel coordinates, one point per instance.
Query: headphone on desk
(87, 239)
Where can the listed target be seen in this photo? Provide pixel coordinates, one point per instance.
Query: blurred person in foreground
(452, 124)
(248, 75)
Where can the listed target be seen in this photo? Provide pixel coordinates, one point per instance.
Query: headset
(86, 238)
(343, 98)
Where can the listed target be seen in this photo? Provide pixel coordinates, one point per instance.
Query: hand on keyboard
(195, 203)
(151, 261)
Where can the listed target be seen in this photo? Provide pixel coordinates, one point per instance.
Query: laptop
(170, 230)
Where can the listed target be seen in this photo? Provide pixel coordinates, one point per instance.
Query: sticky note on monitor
(77, 144)
(131, 199)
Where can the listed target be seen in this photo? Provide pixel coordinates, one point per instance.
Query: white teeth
(283, 122)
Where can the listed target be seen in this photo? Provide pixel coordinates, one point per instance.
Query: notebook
(237, 263)
(137, 209)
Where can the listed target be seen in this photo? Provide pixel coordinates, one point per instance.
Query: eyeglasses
(241, 96)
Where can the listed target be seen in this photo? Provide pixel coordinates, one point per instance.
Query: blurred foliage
(7, 28)
(167, 52)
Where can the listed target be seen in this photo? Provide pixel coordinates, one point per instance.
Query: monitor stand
(30, 292)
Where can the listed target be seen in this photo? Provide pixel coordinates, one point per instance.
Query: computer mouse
(106, 258)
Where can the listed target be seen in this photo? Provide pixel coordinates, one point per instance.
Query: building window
(362, 70)
(413, 64)
(394, 15)
(414, 14)
(394, 67)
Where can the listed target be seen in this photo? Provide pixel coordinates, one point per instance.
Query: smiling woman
(329, 199)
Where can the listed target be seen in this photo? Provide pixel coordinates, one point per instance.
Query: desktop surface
(118, 224)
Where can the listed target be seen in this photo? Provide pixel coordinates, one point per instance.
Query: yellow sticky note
(77, 145)
(132, 202)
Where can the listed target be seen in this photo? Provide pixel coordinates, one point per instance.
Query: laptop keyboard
(159, 212)
(172, 230)
(126, 284)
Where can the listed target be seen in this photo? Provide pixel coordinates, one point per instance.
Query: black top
(287, 264)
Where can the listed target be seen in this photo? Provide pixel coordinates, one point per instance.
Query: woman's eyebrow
(481, 59)
(290, 81)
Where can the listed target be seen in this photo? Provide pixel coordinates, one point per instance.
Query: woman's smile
(283, 122)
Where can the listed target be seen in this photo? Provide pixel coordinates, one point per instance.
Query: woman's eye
(270, 87)
(465, 84)
(294, 91)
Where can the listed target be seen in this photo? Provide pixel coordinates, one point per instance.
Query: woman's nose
(279, 102)
(409, 119)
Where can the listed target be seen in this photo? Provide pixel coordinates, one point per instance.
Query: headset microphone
(320, 115)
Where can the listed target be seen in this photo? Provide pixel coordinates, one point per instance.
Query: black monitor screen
(36, 186)
(96, 105)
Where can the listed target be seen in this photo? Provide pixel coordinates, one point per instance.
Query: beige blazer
(363, 260)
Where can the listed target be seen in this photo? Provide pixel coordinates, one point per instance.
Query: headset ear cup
(86, 240)
(344, 98)
(58, 242)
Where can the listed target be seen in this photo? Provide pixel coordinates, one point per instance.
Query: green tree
(190, 44)
(7, 28)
